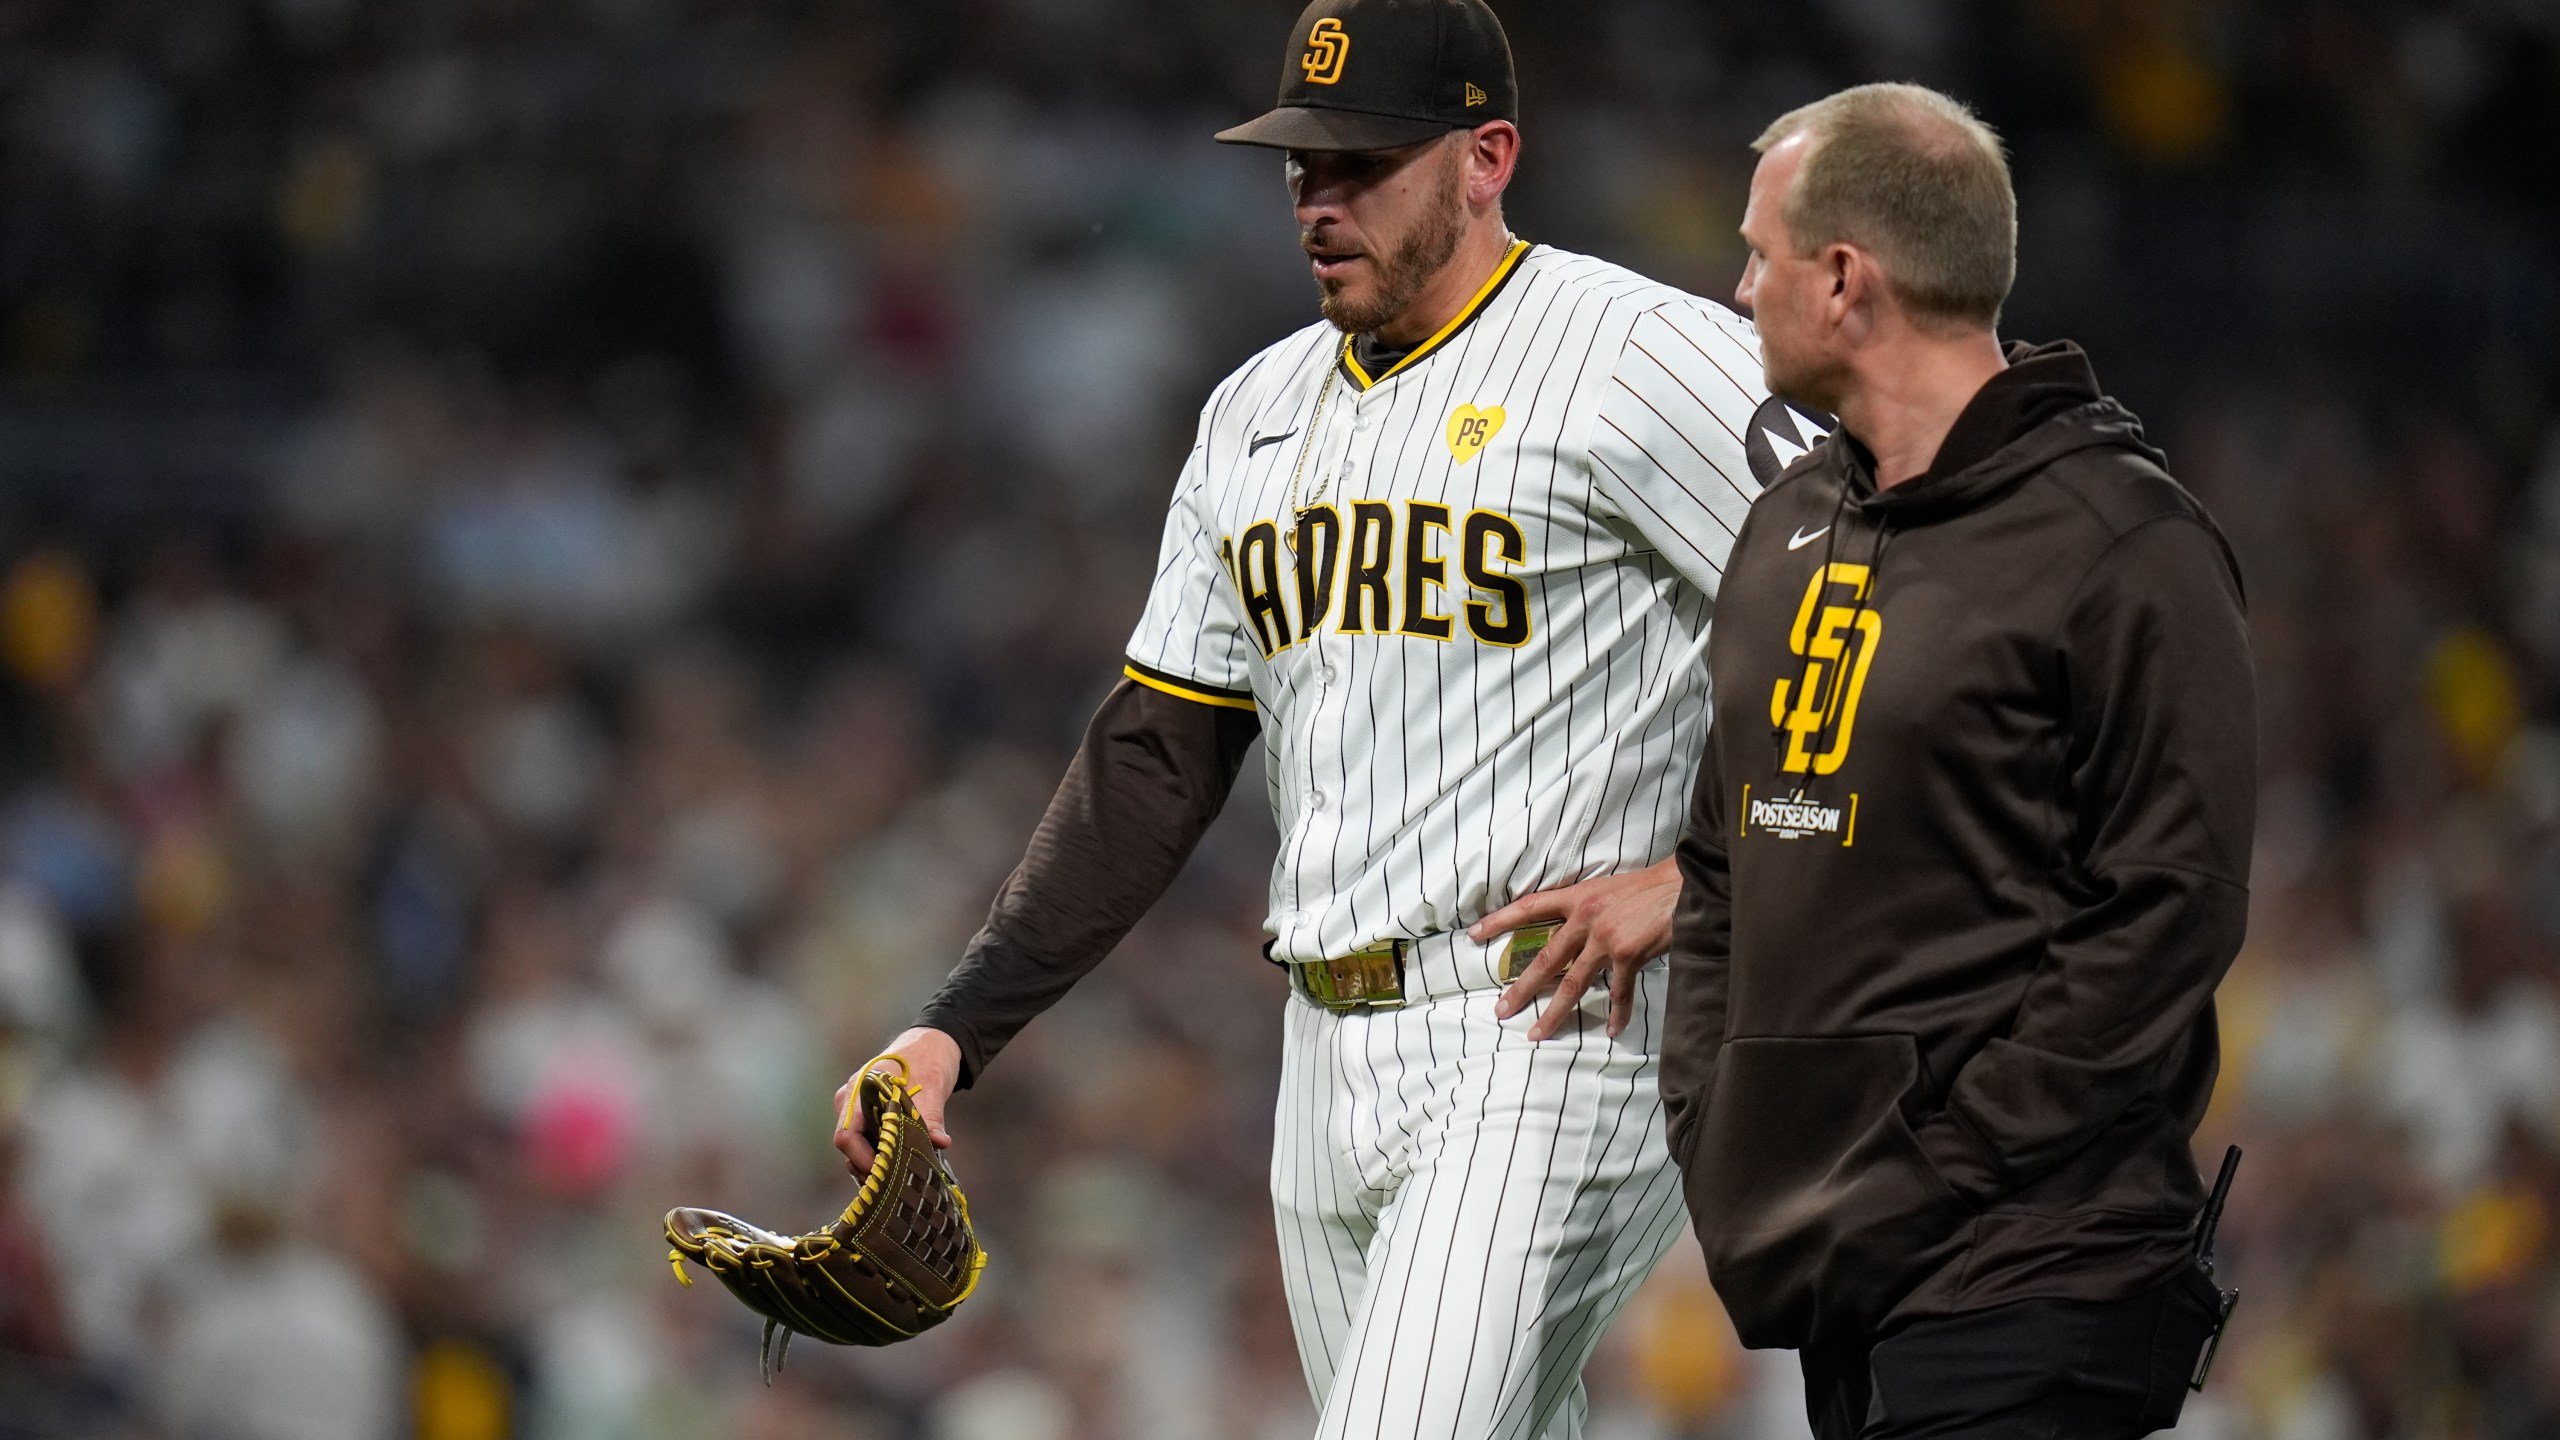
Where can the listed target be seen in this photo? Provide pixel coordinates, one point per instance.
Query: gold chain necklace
(1305, 445)
(1299, 512)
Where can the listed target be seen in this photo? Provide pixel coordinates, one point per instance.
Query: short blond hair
(1915, 179)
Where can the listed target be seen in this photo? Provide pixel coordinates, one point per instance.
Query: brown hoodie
(1968, 855)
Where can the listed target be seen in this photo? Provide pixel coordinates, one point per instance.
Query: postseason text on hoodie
(1967, 858)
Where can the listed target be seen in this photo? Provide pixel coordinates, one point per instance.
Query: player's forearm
(1152, 774)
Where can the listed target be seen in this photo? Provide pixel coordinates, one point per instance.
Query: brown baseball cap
(1380, 74)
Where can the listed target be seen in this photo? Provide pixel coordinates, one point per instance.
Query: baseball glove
(897, 1262)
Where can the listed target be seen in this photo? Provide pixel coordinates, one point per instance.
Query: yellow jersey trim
(1202, 696)
(1484, 294)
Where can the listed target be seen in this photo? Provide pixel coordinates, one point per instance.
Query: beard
(1403, 272)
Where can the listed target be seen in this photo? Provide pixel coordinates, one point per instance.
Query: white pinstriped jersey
(1473, 615)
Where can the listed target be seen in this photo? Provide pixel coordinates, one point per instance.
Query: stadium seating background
(519, 517)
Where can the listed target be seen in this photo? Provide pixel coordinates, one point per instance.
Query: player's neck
(1446, 294)
(1907, 395)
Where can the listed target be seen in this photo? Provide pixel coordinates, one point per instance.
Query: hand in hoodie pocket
(1839, 1215)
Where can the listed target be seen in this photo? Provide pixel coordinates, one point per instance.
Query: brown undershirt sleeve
(1153, 772)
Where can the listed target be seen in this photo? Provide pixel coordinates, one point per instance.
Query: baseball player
(1449, 558)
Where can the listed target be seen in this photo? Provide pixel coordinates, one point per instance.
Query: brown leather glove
(897, 1262)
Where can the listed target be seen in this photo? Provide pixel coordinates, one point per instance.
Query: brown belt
(1372, 977)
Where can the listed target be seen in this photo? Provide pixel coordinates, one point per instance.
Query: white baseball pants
(1463, 1211)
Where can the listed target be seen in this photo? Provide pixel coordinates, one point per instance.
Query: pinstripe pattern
(1461, 1211)
(1419, 783)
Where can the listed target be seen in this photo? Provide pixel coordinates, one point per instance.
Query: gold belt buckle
(1371, 977)
(1523, 950)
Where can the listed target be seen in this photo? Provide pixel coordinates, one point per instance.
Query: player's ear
(1493, 152)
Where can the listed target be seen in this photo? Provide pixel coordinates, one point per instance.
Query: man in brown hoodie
(1969, 848)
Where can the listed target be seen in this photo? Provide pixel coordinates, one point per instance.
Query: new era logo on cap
(1426, 67)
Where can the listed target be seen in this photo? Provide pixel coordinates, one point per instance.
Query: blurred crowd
(551, 552)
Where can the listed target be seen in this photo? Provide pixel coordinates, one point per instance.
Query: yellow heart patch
(1470, 428)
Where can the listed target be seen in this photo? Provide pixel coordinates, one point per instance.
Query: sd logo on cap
(1328, 47)
(1426, 67)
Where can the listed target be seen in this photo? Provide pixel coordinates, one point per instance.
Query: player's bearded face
(1408, 228)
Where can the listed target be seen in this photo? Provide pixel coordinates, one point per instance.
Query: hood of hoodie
(2044, 406)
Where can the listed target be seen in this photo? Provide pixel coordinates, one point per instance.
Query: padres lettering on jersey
(1489, 544)
(1469, 595)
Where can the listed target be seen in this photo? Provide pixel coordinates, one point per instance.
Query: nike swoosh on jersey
(1259, 441)
(1801, 539)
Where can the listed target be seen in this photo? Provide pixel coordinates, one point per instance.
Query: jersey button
(1315, 799)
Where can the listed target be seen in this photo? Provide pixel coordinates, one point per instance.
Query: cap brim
(1301, 127)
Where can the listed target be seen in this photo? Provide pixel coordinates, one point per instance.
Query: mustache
(1310, 242)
